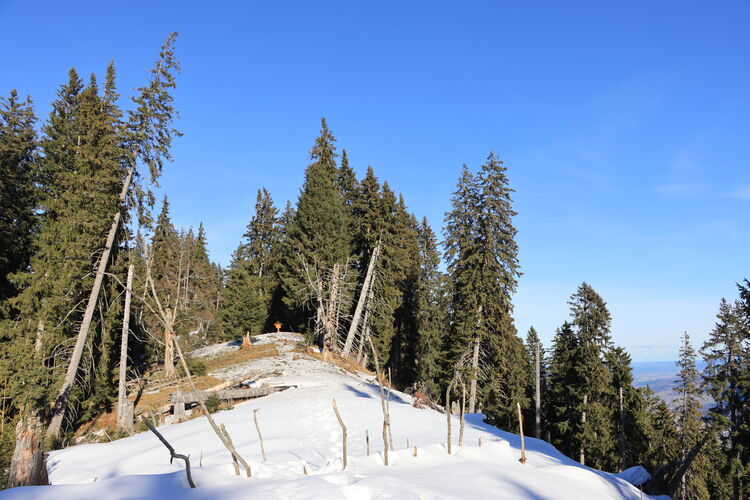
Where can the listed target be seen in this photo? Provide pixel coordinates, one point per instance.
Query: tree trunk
(61, 402)
(538, 393)
(122, 394)
(27, 467)
(331, 341)
(622, 432)
(582, 457)
(475, 365)
(369, 278)
(169, 368)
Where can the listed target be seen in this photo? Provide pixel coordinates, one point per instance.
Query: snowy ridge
(301, 433)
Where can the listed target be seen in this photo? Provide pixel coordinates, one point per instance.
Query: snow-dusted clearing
(301, 432)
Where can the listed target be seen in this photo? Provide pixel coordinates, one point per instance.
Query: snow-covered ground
(301, 433)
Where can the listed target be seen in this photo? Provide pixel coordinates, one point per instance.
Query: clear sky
(625, 126)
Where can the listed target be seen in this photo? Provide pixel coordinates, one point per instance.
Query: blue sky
(624, 126)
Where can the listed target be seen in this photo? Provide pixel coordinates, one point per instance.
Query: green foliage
(196, 366)
(212, 402)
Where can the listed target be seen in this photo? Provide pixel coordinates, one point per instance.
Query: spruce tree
(252, 279)
(317, 238)
(482, 260)
(432, 320)
(18, 192)
(727, 380)
(687, 407)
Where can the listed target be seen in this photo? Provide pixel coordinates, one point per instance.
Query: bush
(196, 366)
(212, 403)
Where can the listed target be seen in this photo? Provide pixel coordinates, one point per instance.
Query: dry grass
(336, 359)
(241, 355)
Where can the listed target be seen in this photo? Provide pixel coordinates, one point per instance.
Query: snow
(635, 475)
(301, 432)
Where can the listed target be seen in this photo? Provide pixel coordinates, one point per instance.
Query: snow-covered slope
(301, 432)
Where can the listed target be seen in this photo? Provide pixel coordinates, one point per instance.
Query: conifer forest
(101, 293)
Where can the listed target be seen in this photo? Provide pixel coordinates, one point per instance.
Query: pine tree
(726, 379)
(483, 265)
(535, 357)
(563, 418)
(432, 321)
(317, 238)
(688, 411)
(252, 278)
(18, 192)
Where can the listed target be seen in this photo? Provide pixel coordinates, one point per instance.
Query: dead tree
(226, 442)
(463, 413)
(172, 453)
(448, 413)
(343, 432)
(363, 296)
(125, 415)
(386, 416)
(537, 392)
(520, 432)
(28, 463)
(260, 437)
(234, 459)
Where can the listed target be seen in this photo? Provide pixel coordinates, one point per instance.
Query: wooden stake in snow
(520, 431)
(386, 417)
(480, 441)
(367, 441)
(343, 432)
(448, 414)
(260, 437)
(172, 453)
(124, 417)
(463, 412)
(234, 459)
(388, 407)
(415, 451)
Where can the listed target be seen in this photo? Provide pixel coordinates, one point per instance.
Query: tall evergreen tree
(18, 191)
(727, 380)
(482, 260)
(317, 238)
(252, 278)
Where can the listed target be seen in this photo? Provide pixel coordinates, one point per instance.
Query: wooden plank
(183, 397)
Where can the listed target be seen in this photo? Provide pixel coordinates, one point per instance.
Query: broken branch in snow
(172, 453)
(257, 427)
(343, 431)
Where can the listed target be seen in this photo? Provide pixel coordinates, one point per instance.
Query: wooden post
(386, 416)
(463, 412)
(172, 453)
(234, 459)
(367, 441)
(480, 441)
(343, 432)
(448, 414)
(260, 437)
(520, 431)
(415, 451)
(388, 406)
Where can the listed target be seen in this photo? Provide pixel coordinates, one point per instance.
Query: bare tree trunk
(331, 341)
(622, 432)
(260, 437)
(463, 414)
(172, 453)
(538, 393)
(388, 407)
(362, 354)
(234, 458)
(520, 431)
(39, 336)
(475, 365)
(122, 396)
(343, 432)
(169, 368)
(386, 416)
(369, 277)
(27, 466)
(448, 414)
(582, 457)
(61, 402)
